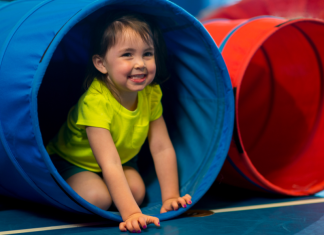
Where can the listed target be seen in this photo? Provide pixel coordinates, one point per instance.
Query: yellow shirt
(97, 107)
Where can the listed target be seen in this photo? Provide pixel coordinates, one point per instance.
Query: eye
(127, 55)
(148, 54)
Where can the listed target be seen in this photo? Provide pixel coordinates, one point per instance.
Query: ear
(98, 62)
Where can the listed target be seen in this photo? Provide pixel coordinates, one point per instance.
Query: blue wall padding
(44, 48)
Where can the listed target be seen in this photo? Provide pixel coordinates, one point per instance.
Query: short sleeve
(94, 110)
(156, 105)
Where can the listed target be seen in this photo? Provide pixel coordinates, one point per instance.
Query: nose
(139, 63)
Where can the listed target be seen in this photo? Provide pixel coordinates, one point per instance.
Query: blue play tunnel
(44, 46)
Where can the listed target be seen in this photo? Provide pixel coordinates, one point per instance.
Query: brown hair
(105, 38)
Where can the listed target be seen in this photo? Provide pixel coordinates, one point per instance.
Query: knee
(138, 192)
(99, 198)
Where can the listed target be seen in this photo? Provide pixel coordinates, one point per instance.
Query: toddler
(96, 149)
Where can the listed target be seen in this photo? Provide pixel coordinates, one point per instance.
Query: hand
(173, 203)
(136, 221)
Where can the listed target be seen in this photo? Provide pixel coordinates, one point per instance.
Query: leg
(135, 183)
(92, 188)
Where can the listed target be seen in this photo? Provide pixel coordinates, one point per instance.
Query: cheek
(151, 68)
(123, 68)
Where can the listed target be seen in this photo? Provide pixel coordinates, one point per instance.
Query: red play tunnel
(246, 9)
(276, 69)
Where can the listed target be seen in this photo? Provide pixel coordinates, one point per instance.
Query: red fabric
(277, 67)
(223, 28)
(284, 8)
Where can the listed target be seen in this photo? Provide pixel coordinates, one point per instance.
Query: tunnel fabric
(43, 54)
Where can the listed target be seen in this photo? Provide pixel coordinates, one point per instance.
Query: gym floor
(222, 210)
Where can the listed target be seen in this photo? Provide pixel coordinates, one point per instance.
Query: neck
(129, 100)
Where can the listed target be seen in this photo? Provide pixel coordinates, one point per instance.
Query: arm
(106, 154)
(165, 162)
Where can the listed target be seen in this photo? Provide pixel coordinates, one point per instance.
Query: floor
(223, 210)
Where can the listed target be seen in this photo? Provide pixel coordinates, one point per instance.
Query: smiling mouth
(139, 78)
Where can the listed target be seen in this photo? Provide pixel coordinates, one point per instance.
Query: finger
(163, 210)
(154, 220)
(187, 197)
(175, 205)
(182, 202)
(129, 226)
(142, 222)
(122, 227)
(136, 226)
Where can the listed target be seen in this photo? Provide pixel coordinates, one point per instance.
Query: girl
(95, 150)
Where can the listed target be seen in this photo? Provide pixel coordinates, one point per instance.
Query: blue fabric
(43, 54)
(197, 8)
(320, 194)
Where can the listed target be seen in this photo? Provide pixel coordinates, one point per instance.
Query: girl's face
(130, 63)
